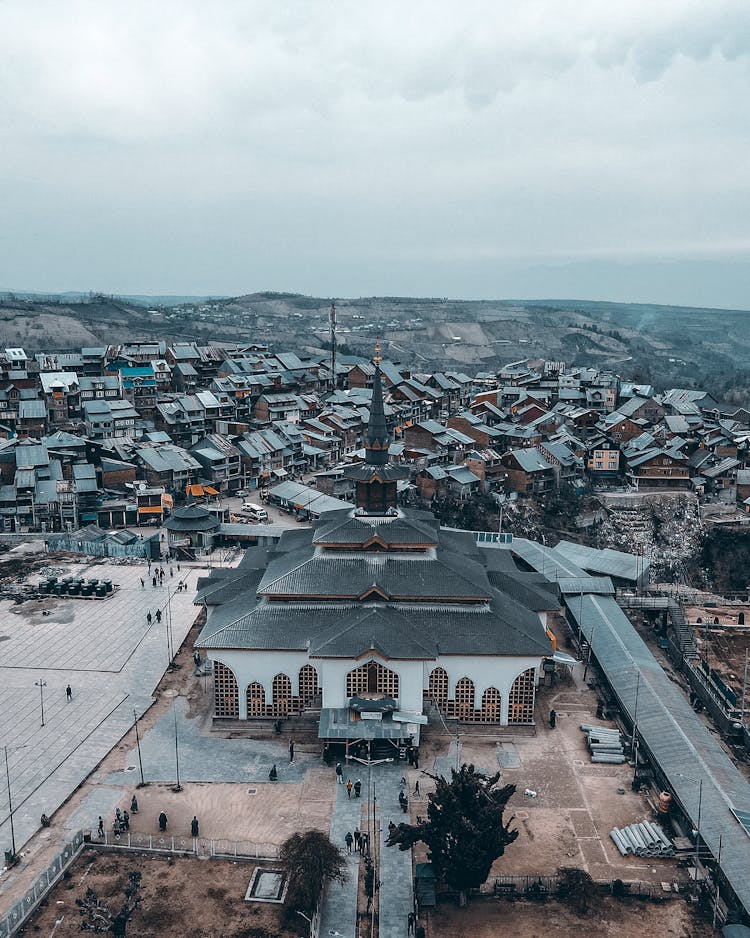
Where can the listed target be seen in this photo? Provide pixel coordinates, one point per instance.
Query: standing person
(148, 617)
(357, 788)
(416, 788)
(357, 838)
(134, 805)
(126, 819)
(410, 923)
(291, 752)
(143, 583)
(171, 571)
(194, 826)
(339, 774)
(416, 758)
(349, 787)
(153, 580)
(273, 774)
(348, 841)
(69, 693)
(162, 821)
(100, 829)
(158, 615)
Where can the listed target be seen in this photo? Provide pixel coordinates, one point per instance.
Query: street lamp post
(697, 821)
(177, 787)
(12, 858)
(41, 685)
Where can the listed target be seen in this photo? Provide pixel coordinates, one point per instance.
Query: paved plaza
(112, 660)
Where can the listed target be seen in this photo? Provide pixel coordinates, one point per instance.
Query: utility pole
(12, 859)
(744, 693)
(177, 787)
(138, 743)
(41, 685)
(332, 324)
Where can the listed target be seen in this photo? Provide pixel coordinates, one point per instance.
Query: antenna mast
(332, 323)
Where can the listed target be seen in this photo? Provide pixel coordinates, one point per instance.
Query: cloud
(218, 136)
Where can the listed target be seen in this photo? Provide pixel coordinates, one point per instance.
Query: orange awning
(150, 510)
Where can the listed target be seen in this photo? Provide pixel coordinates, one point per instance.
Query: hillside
(664, 345)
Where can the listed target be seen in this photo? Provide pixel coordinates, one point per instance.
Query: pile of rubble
(605, 745)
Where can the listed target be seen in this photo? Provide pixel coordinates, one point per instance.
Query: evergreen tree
(464, 831)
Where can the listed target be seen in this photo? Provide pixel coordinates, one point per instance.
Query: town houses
(184, 418)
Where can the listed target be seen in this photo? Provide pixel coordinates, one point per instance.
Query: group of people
(357, 786)
(122, 821)
(360, 840)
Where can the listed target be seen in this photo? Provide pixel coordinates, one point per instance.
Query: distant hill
(663, 345)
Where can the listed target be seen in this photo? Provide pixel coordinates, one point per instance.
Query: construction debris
(642, 840)
(606, 745)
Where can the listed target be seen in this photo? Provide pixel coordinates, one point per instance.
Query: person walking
(357, 838)
(126, 819)
(134, 805)
(416, 787)
(100, 829)
(158, 615)
(291, 752)
(273, 774)
(148, 617)
(339, 774)
(153, 580)
(357, 788)
(143, 584)
(162, 822)
(69, 693)
(349, 787)
(194, 826)
(348, 840)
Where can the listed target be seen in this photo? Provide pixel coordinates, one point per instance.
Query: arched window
(283, 703)
(372, 678)
(438, 688)
(521, 699)
(490, 712)
(226, 694)
(462, 705)
(308, 685)
(256, 700)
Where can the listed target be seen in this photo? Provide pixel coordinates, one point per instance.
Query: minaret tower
(376, 477)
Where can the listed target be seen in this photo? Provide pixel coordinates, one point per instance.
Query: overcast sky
(465, 149)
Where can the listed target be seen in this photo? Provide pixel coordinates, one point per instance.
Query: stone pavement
(210, 758)
(339, 912)
(113, 662)
(396, 898)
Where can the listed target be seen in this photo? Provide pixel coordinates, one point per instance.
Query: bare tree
(99, 918)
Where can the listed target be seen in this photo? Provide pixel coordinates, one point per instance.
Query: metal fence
(194, 846)
(548, 887)
(18, 913)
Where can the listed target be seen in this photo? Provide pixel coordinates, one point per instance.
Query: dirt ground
(182, 898)
(725, 647)
(612, 918)
(576, 805)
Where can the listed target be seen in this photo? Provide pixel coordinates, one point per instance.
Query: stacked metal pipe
(605, 744)
(642, 840)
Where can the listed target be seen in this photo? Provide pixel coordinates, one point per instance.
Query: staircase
(685, 637)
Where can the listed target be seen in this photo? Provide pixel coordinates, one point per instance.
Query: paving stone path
(339, 912)
(396, 899)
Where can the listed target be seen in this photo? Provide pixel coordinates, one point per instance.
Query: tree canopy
(464, 831)
(310, 861)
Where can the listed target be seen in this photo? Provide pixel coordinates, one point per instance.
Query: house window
(521, 699)
(438, 688)
(462, 705)
(283, 703)
(372, 678)
(308, 685)
(226, 695)
(256, 700)
(490, 712)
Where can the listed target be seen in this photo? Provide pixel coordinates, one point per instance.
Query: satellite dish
(142, 486)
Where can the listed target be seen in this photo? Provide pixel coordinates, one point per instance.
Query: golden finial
(377, 358)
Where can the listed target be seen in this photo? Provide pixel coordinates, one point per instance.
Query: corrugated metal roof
(682, 745)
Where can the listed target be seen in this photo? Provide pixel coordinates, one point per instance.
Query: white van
(255, 512)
